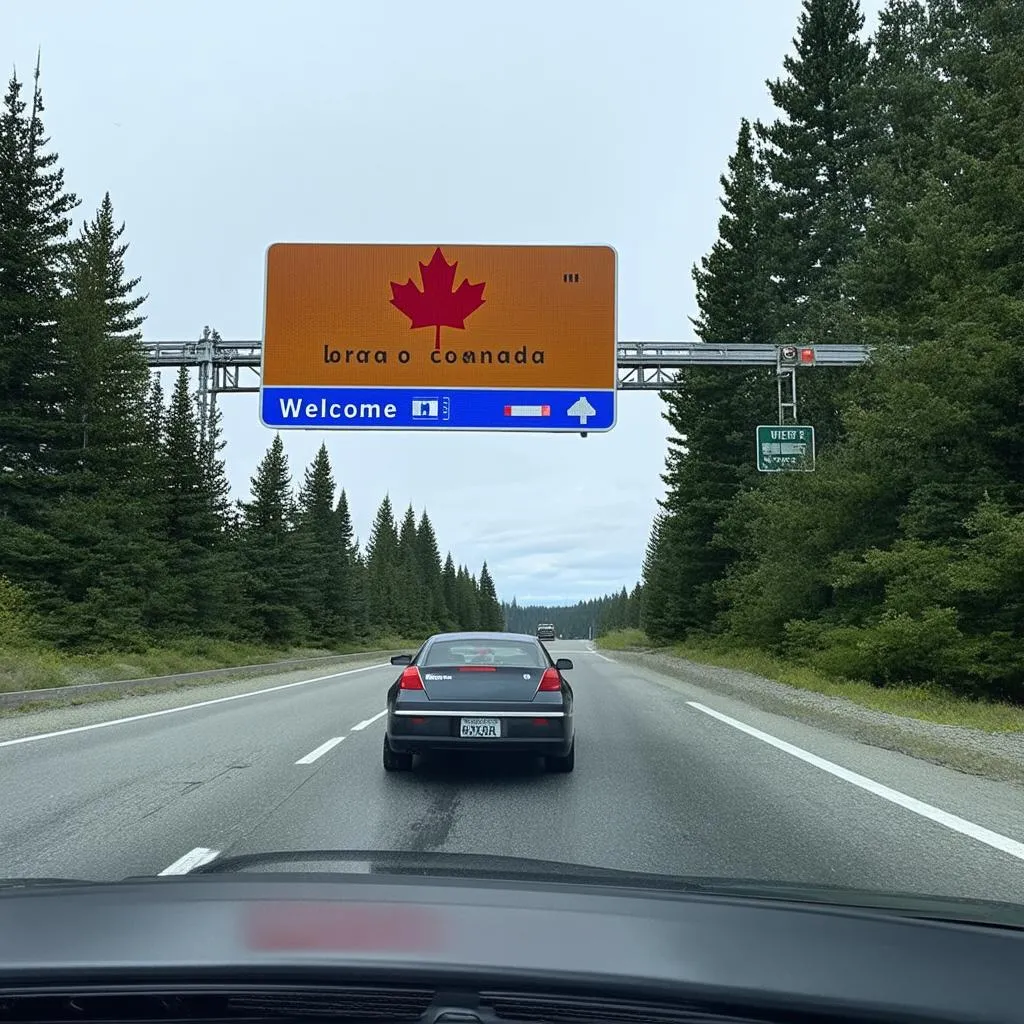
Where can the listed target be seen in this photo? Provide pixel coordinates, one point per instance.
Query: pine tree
(491, 615)
(661, 615)
(411, 611)
(468, 600)
(437, 614)
(816, 152)
(156, 413)
(636, 600)
(106, 377)
(906, 94)
(713, 413)
(450, 589)
(34, 222)
(351, 599)
(151, 463)
(105, 520)
(172, 605)
(274, 579)
(219, 603)
(318, 548)
(734, 286)
(362, 625)
(382, 570)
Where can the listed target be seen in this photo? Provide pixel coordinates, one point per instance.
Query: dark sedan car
(480, 691)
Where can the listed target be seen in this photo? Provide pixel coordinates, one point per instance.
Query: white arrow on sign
(582, 409)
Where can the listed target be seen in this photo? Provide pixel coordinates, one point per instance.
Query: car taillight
(411, 679)
(550, 680)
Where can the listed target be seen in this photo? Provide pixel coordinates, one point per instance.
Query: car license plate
(480, 728)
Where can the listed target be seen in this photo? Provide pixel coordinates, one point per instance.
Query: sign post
(439, 337)
(787, 448)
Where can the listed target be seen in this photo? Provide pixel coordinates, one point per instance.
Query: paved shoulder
(46, 721)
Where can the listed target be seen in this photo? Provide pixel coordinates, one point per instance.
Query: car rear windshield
(511, 653)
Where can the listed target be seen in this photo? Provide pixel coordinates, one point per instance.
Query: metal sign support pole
(787, 408)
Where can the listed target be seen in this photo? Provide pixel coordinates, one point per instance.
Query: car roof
(470, 635)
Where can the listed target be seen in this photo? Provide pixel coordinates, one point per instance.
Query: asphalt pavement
(668, 778)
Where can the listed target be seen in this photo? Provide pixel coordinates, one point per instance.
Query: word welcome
(296, 408)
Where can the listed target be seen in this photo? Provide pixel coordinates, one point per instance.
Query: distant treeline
(578, 621)
(116, 525)
(883, 205)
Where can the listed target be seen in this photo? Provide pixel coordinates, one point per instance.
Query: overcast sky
(222, 126)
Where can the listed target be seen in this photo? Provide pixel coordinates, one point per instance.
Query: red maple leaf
(437, 305)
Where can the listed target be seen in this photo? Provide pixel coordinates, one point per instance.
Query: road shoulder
(34, 720)
(998, 756)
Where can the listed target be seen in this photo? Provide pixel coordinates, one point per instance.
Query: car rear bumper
(546, 734)
(424, 745)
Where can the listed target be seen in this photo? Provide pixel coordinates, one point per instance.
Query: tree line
(578, 621)
(117, 529)
(883, 205)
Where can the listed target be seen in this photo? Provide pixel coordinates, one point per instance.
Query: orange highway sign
(344, 320)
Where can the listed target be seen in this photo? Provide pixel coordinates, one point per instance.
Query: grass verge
(929, 704)
(41, 668)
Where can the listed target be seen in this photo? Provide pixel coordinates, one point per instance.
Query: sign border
(613, 390)
(772, 426)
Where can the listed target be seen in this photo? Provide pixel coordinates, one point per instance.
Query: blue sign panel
(363, 408)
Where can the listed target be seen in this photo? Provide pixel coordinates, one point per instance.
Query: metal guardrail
(15, 698)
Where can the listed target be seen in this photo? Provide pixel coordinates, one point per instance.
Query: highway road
(669, 777)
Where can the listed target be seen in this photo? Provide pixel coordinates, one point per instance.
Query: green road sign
(782, 449)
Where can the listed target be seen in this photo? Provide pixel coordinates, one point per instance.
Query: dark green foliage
(896, 190)
(412, 599)
(467, 600)
(491, 614)
(351, 612)
(713, 412)
(318, 549)
(34, 223)
(815, 154)
(272, 554)
(117, 527)
(383, 568)
(435, 608)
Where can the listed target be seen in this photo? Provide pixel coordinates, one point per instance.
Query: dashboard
(485, 951)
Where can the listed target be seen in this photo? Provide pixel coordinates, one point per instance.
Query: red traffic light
(807, 357)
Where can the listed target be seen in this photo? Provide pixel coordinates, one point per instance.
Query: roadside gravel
(992, 755)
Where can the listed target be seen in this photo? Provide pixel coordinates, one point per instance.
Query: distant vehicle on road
(480, 691)
(545, 631)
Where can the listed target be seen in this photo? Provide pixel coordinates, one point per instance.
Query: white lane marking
(597, 654)
(185, 707)
(369, 721)
(320, 751)
(193, 859)
(936, 814)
